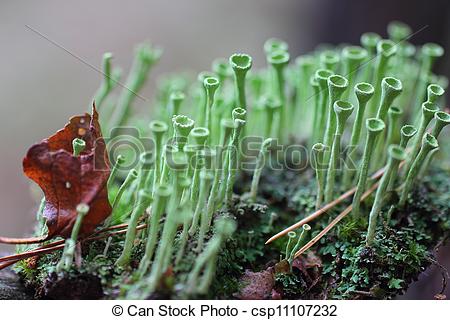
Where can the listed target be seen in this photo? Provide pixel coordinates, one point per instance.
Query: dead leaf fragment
(67, 180)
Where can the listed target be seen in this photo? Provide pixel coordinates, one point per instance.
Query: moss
(349, 270)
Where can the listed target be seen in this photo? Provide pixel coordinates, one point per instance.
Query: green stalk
(272, 107)
(178, 165)
(147, 160)
(202, 101)
(318, 151)
(441, 119)
(336, 87)
(176, 98)
(162, 194)
(316, 108)
(274, 44)
(182, 126)
(207, 260)
(343, 110)
(394, 115)
(241, 64)
(187, 214)
(429, 142)
(233, 158)
(237, 113)
(429, 53)
(322, 76)
(398, 31)
(78, 146)
(304, 67)
(291, 236)
(363, 91)
(353, 57)
(200, 213)
(69, 247)
(390, 89)
(278, 60)
(227, 129)
(173, 219)
(329, 59)
(374, 127)
(174, 216)
(200, 136)
(112, 176)
(169, 151)
(158, 129)
(428, 111)
(396, 154)
(260, 161)
(222, 70)
(211, 85)
(369, 41)
(131, 177)
(190, 150)
(143, 201)
(305, 229)
(110, 80)
(434, 93)
(386, 49)
(406, 133)
(146, 56)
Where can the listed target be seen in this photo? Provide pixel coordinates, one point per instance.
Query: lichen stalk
(322, 76)
(353, 57)
(146, 56)
(260, 161)
(318, 151)
(233, 158)
(278, 60)
(158, 129)
(429, 142)
(143, 201)
(69, 248)
(300, 240)
(363, 91)
(343, 110)
(208, 258)
(111, 78)
(374, 127)
(336, 87)
(211, 85)
(428, 111)
(161, 196)
(386, 49)
(396, 154)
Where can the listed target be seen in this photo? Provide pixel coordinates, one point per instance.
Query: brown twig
(7, 264)
(325, 208)
(333, 223)
(9, 260)
(7, 240)
(314, 215)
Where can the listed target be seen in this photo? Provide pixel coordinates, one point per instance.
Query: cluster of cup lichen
(183, 185)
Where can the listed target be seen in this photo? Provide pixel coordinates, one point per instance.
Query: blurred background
(41, 85)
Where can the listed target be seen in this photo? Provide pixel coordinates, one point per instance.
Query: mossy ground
(342, 267)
